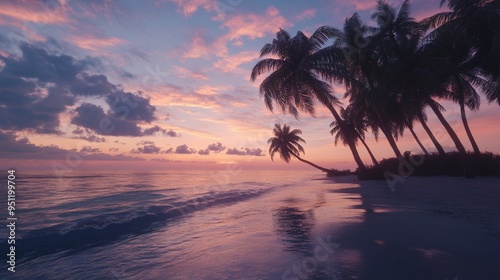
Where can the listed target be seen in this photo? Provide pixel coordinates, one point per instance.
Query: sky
(166, 85)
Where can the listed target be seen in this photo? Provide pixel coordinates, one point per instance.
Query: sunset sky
(159, 84)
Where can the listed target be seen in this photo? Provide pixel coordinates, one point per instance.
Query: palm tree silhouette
(473, 23)
(369, 53)
(299, 76)
(287, 144)
(356, 127)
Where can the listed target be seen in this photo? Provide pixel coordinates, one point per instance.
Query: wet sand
(425, 228)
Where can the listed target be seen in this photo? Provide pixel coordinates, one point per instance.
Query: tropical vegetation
(395, 72)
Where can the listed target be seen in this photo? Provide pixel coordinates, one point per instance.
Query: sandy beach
(428, 228)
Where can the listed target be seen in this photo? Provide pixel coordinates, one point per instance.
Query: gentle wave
(103, 229)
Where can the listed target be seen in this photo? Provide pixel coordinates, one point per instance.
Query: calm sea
(230, 224)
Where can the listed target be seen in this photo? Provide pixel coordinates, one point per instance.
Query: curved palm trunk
(431, 135)
(350, 142)
(447, 126)
(374, 160)
(392, 142)
(310, 163)
(416, 138)
(467, 129)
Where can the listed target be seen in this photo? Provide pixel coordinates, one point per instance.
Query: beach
(256, 225)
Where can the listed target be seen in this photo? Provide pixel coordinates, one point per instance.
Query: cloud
(148, 147)
(93, 43)
(253, 26)
(239, 26)
(36, 88)
(245, 152)
(212, 90)
(205, 152)
(113, 149)
(12, 146)
(91, 85)
(184, 149)
(10, 143)
(189, 7)
(94, 118)
(41, 12)
(204, 47)
(171, 133)
(25, 106)
(235, 151)
(89, 150)
(131, 107)
(306, 14)
(169, 151)
(254, 152)
(230, 64)
(190, 73)
(89, 135)
(216, 147)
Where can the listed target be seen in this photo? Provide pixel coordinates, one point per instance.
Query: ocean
(229, 224)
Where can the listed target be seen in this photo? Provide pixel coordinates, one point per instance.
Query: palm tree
(393, 37)
(356, 127)
(415, 80)
(298, 76)
(372, 50)
(287, 144)
(461, 77)
(475, 23)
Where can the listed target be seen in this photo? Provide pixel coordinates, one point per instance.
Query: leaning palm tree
(462, 76)
(414, 82)
(475, 23)
(299, 76)
(356, 127)
(287, 144)
(367, 52)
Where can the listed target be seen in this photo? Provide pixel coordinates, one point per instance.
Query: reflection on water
(294, 228)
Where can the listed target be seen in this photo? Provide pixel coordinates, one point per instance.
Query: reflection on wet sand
(294, 228)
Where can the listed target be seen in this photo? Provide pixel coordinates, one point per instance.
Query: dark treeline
(394, 72)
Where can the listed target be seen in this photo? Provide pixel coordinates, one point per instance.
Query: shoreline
(431, 227)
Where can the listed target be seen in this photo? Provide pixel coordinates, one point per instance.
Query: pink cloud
(173, 96)
(35, 12)
(364, 4)
(191, 74)
(230, 64)
(255, 26)
(200, 48)
(95, 44)
(189, 7)
(212, 90)
(306, 14)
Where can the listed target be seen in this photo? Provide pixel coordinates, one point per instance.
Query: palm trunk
(416, 138)
(392, 142)
(350, 142)
(467, 129)
(374, 160)
(431, 135)
(310, 163)
(447, 126)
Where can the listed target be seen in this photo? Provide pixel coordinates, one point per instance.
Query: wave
(108, 228)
